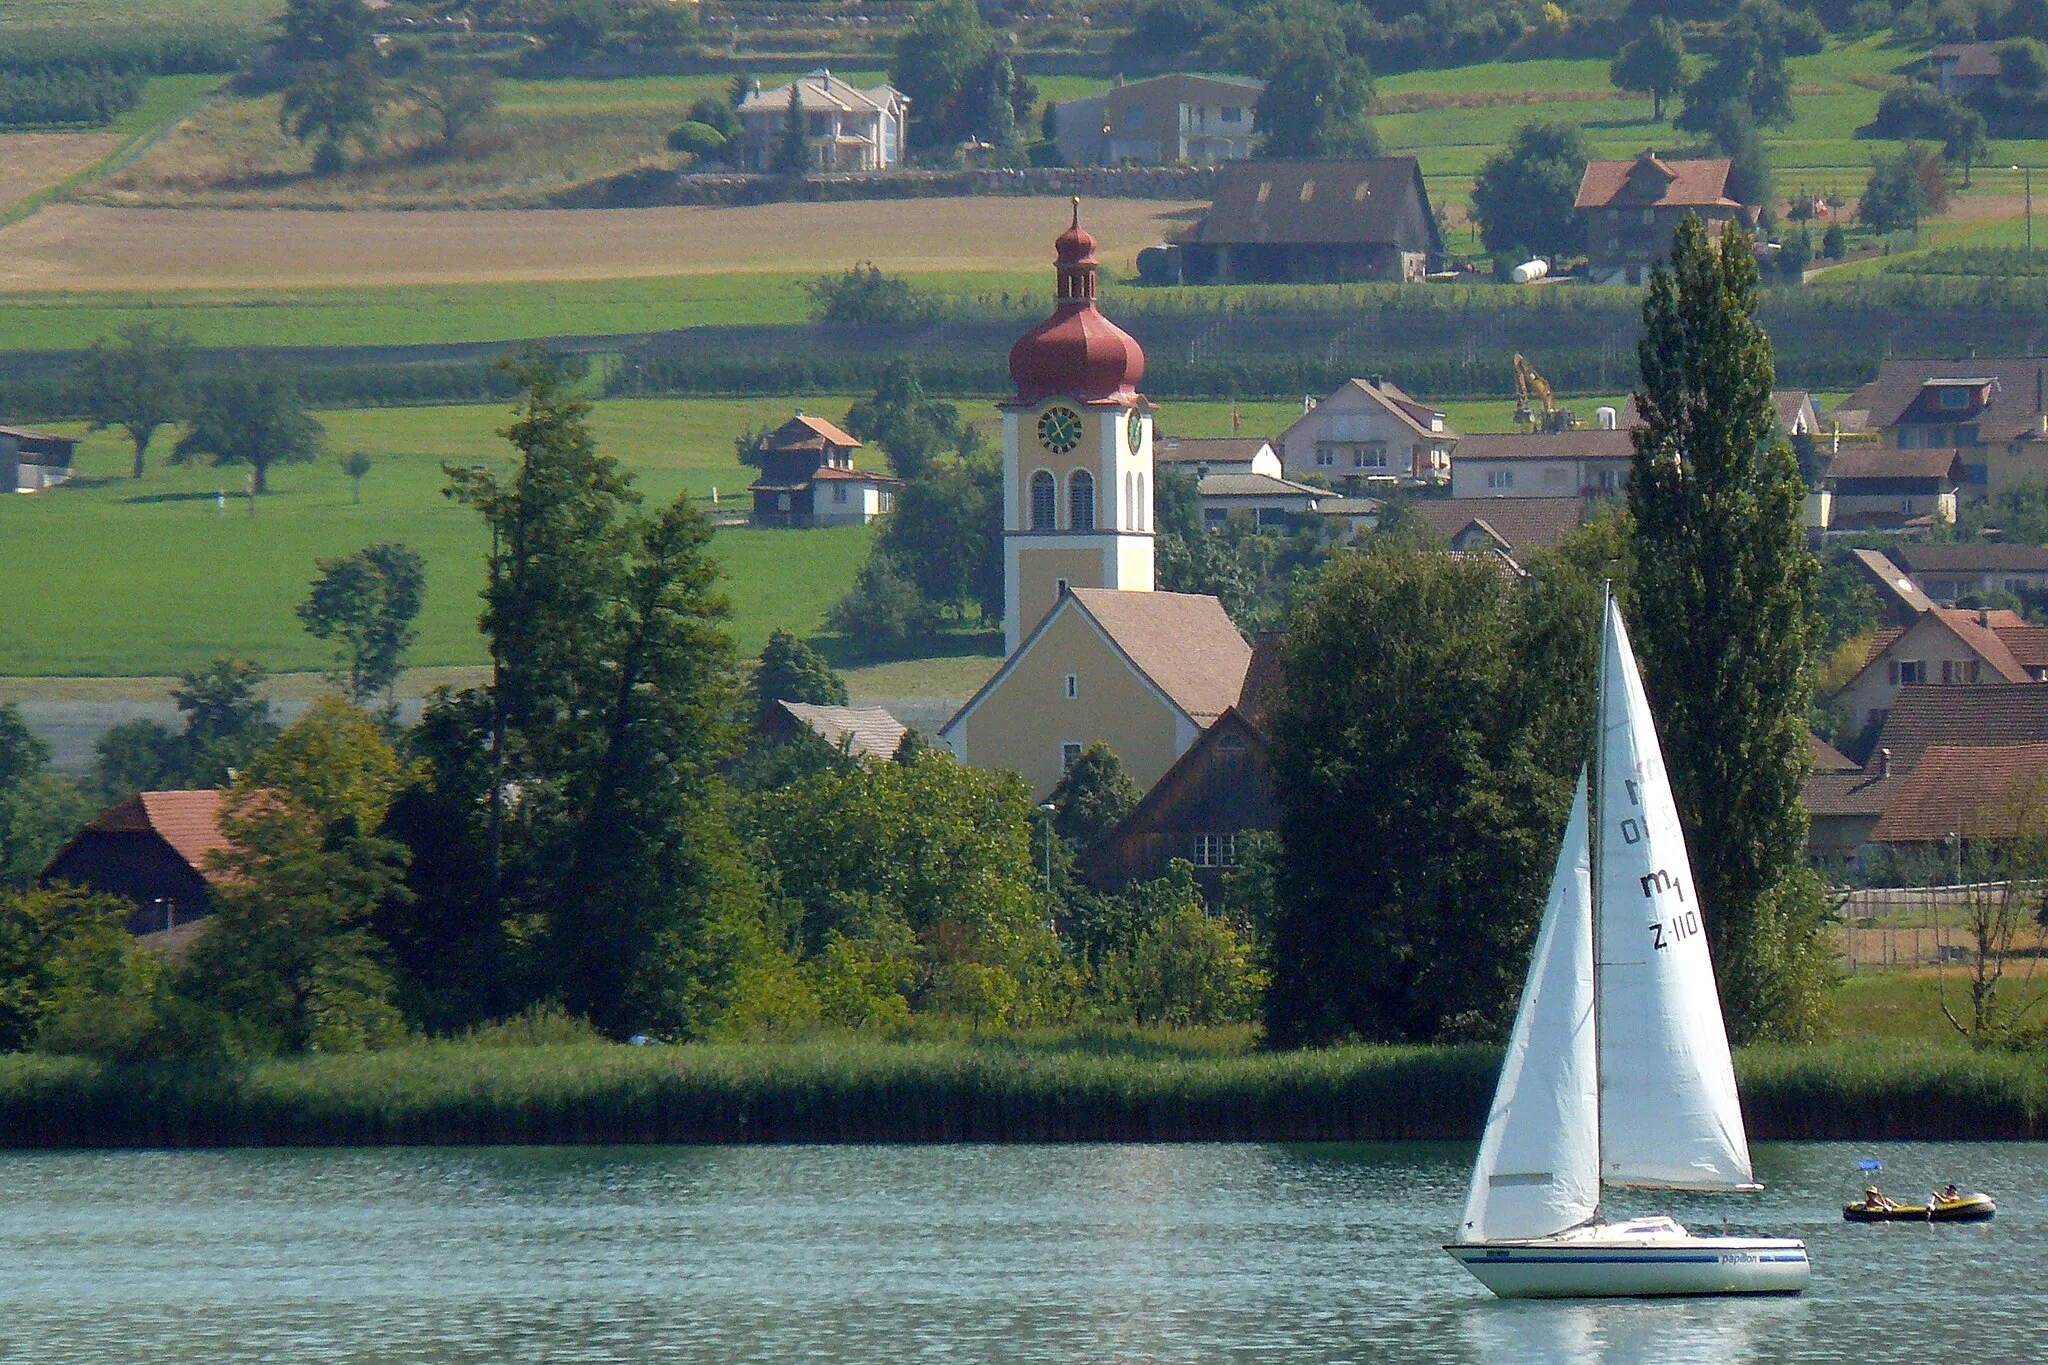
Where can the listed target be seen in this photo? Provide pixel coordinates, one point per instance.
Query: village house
(1514, 527)
(867, 732)
(1993, 413)
(1897, 594)
(1215, 794)
(1313, 222)
(846, 128)
(1882, 488)
(154, 850)
(1957, 794)
(808, 479)
(31, 461)
(1218, 455)
(1258, 498)
(1369, 436)
(1632, 209)
(1947, 646)
(1591, 462)
(1964, 69)
(1168, 120)
(1945, 573)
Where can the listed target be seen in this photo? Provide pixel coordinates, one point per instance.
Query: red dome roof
(1077, 352)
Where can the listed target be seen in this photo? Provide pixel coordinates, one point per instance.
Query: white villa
(845, 128)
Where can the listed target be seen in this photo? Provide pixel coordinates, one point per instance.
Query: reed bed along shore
(454, 1093)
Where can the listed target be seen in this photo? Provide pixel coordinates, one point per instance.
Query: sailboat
(1617, 1071)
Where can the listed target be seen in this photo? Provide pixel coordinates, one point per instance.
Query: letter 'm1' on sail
(1669, 1115)
(1538, 1164)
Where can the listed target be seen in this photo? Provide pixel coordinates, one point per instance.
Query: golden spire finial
(1077, 214)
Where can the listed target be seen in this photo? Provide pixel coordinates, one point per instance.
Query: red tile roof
(1924, 716)
(1827, 758)
(1973, 791)
(867, 731)
(1689, 184)
(189, 821)
(1522, 524)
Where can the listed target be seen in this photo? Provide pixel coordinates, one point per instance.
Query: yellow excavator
(1530, 388)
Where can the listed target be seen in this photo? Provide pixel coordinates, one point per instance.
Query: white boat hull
(1585, 1264)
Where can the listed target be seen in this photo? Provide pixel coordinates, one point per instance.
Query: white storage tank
(1606, 418)
(1530, 271)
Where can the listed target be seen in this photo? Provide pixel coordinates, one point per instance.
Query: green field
(159, 578)
(94, 14)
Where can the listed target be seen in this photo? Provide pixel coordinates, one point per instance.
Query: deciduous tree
(457, 98)
(1525, 195)
(252, 415)
(1653, 64)
(334, 104)
(935, 62)
(1316, 101)
(138, 383)
(366, 603)
(1723, 619)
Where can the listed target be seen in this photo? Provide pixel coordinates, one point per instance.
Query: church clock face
(1059, 430)
(1134, 426)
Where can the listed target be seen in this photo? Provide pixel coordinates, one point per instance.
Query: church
(1095, 653)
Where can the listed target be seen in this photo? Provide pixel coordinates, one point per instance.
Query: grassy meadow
(160, 577)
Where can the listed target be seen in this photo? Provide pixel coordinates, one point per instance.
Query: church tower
(1077, 453)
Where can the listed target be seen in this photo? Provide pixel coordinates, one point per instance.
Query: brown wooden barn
(153, 849)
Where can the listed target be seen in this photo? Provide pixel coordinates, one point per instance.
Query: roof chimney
(1375, 380)
(1884, 763)
(1984, 617)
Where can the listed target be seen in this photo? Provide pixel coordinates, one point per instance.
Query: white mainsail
(1538, 1169)
(1669, 1115)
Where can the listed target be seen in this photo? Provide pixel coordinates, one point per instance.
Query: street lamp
(1047, 810)
(2028, 173)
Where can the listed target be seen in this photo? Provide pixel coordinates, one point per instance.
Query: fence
(1920, 926)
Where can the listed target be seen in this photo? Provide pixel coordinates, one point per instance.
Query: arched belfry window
(1142, 510)
(1045, 499)
(1081, 500)
(1130, 504)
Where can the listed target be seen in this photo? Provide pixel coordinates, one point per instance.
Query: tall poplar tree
(1723, 618)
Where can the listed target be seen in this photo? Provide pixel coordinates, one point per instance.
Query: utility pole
(2027, 173)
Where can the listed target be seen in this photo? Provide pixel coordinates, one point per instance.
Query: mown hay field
(87, 247)
(34, 161)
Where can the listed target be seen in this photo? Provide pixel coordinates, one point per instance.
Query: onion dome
(1077, 352)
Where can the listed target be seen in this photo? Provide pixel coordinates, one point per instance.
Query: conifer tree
(1722, 620)
(793, 156)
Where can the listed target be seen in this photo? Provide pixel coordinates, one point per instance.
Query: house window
(1907, 672)
(1954, 400)
(1070, 754)
(2016, 586)
(1045, 497)
(1369, 457)
(782, 502)
(1215, 518)
(1649, 217)
(1215, 850)
(1272, 516)
(1134, 118)
(1497, 479)
(1960, 671)
(1081, 500)
(821, 125)
(1073, 686)
(1233, 113)
(1607, 481)
(839, 492)
(1325, 457)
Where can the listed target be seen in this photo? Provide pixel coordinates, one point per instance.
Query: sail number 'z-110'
(1681, 928)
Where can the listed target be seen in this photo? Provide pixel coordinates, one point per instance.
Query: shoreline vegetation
(1085, 1086)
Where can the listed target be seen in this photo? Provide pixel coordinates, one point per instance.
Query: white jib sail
(1669, 1115)
(1538, 1164)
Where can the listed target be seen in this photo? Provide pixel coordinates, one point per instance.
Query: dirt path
(70, 246)
(31, 161)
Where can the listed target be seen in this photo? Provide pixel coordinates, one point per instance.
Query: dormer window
(1954, 400)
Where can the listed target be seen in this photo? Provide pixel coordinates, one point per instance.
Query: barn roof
(1319, 203)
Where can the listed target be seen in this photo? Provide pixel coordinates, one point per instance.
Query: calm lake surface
(1139, 1253)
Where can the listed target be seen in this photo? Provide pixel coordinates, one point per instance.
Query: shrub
(1194, 968)
(699, 140)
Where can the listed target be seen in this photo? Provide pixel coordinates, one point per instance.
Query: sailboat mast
(1595, 816)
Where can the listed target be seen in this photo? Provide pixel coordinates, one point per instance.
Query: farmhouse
(1880, 488)
(1315, 222)
(808, 478)
(153, 850)
(31, 461)
(1633, 208)
(1962, 69)
(1259, 498)
(1516, 527)
(845, 128)
(1993, 413)
(1369, 435)
(1169, 120)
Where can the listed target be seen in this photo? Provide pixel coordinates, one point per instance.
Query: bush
(699, 140)
(865, 295)
(1834, 243)
(1194, 968)
(93, 95)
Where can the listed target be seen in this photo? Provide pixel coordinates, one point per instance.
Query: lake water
(1085, 1253)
